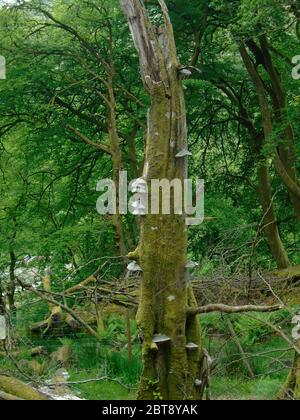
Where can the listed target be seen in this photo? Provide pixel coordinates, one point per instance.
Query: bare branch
(98, 146)
(232, 309)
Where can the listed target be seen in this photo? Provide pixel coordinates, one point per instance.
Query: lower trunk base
(291, 389)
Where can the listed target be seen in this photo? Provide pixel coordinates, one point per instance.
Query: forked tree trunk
(170, 370)
(265, 190)
(285, 160)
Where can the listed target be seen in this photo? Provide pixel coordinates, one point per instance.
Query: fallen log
(7, 397)
(13, 388)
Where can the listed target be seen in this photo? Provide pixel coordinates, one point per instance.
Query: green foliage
(56, 53)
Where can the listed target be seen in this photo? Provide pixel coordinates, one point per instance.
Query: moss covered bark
(170, 369)
(291, 389)
(15, 388)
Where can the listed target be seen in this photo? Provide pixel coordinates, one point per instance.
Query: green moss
(17, 388)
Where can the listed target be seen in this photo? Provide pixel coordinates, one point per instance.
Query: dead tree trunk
(171, 370)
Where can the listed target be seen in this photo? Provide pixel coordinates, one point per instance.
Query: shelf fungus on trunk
(134, 267)
(139, 186)
(168, 368)
(184, 73)
(192, 346)
(191, 265)
(198, 383)
(183, 153)
(2, 327)
(160, 339)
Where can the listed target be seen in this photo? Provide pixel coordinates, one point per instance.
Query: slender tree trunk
(12, 282)
(240, 347)
(116, 155)
(2, 303)
(171, 371)
(264, 186)
(291, 389)
(285, 159)
(132, 155)
(270, 222)
(265, 189)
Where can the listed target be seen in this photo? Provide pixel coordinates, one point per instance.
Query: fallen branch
(8, 397)
(79, 287)
(232, 309)
(87, 381)
(62, 306)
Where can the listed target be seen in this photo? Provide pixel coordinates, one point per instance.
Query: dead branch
(232, 309)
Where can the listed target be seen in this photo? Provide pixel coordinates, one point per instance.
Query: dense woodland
(118, 307)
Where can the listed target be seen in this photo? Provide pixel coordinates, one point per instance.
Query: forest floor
(102, 370)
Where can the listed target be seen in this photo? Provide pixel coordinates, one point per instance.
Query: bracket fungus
(2, 328)
(191, 346)
(191, 265)
(183, 153)
(139, 186)
(134, 267)
(198, 382)
(160, 339)
(184, 73)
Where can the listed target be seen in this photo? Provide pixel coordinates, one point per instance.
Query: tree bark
(285, 159)
(170, 370)
(2, 303)
(12, 282)
(116, 154)
(56, 313)
(270, 221)
(240, 347)
(13, 389)
(291, 389)
(265, 189)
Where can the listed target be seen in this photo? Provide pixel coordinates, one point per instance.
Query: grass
(102, 390)
(92, 359)
(226, 388)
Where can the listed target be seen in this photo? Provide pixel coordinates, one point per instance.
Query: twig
(87, 381)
